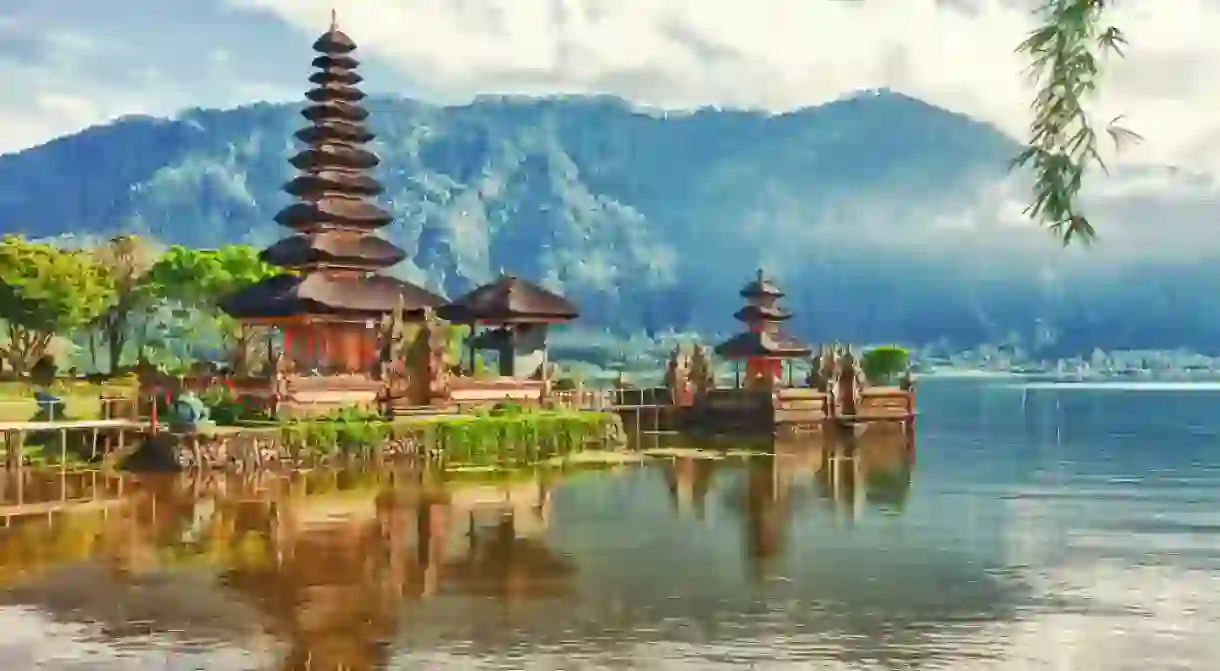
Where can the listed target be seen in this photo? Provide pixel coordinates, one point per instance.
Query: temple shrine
(515, 315)
(509, 318)
(763, 347)
(328, 307)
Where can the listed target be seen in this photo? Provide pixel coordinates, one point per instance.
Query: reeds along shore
(508, 439)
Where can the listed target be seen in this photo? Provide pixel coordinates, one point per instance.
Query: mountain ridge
(885, 217)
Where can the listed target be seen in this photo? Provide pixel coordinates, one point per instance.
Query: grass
(81, 398)
(16, 409)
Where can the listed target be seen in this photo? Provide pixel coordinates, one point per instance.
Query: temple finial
(760, 275)
(334, 20)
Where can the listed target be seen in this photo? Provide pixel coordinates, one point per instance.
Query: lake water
(1045, 528)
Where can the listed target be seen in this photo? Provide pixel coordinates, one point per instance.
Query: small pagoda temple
(330, 304)
(516, 315)
(762, 346)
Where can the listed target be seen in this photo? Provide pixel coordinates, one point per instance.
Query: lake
(1028, 528)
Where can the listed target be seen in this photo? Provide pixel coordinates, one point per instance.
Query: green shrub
(225, 409)
(882, 364)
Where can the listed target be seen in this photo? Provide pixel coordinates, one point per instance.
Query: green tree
(882, 364)
(127, 259)
(1067, 52)
(44, 292)
(201, 278)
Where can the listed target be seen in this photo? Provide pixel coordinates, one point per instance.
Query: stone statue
(436, 341)
(848, 387)
(188, 413)
(815, 378)
(907, 383)
(700, 375)
(828, 368)
(677, 378)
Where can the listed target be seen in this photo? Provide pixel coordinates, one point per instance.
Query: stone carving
(848, 383)
(702, 378)
(827, 368)
(816, 379)
(677, 376)
(907, 383)
(394, 355)
(435, 334)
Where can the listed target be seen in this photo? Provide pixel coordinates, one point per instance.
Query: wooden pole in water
(638, 410)
(63, 450)
(656, 415)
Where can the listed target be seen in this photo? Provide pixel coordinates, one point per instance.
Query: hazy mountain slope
(886, 218)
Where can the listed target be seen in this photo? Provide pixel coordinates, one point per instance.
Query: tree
(881, 364)
(201, 278)
(45, 291)
(127, 259)
(1066, 55)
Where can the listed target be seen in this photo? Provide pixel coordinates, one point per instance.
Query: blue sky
(67, 64)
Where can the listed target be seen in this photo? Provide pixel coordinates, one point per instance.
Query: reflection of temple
(689, 480)
(848, 471)
(873, 469)
(328, 309)
(326, 560)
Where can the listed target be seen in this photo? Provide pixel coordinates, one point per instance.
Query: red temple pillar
(758, 366)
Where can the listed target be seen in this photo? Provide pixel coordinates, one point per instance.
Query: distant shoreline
(1048, 380)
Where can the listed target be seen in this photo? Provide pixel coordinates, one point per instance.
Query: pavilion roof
(752, 344)
(360, 296)
(509, 299)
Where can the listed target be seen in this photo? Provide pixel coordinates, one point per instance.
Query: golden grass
(24, 409)
(23, 389)
(81, 398)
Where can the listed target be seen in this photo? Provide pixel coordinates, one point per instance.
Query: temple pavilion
(762, 346)
(329, 305)
(515, 315)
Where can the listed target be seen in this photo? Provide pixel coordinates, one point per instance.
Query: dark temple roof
(760, 344)
(509, 299)
(757, 313)
(761, 287)
(335, 213)
(334, 248)
(320, 293)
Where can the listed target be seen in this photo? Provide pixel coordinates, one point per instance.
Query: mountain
(885, 218)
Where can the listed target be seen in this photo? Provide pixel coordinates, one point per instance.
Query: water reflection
(325, 559)
(360, 569)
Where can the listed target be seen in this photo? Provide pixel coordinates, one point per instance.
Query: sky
(68, 64)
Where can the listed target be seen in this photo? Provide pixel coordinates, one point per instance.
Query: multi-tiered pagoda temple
(762, 346)
(329, 307)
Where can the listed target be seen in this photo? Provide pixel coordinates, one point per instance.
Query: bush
(882, 364)
(225, 409)
(565, 384)
(506, 409)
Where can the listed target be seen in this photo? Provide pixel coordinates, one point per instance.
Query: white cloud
(779, 54)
